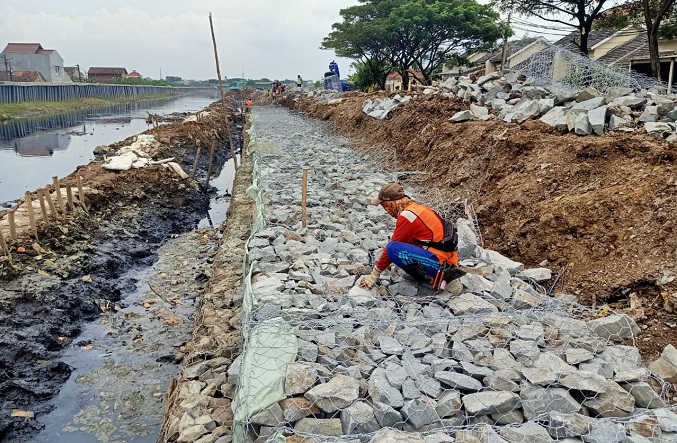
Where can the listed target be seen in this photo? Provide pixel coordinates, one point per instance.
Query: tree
(413, 34)
(581, 13)
(649, 13)
(370, 74)
(173, 79)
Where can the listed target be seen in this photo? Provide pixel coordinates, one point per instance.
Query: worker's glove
(370, 280)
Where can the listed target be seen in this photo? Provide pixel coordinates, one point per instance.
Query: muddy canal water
(34, 150)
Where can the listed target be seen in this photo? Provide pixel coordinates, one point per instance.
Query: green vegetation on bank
(31, 109)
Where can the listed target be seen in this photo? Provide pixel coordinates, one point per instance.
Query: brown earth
(599, 209)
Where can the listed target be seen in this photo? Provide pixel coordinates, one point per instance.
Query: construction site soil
(600, 211)
(54, 284)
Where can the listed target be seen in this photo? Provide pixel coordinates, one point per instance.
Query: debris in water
(25, 414)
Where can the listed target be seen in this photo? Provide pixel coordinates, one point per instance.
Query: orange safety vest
(434, 223)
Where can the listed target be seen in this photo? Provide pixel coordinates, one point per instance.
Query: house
(516, 52)
(22, 77)
(394, 80)
(134, 74)
(75, 73)
(106, 75)
(475, 60)
(33, 57)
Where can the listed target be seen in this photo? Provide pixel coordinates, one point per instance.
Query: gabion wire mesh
(559, 66)
(491, 359)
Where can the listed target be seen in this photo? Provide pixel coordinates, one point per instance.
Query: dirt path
(84, 267)
(597, 210)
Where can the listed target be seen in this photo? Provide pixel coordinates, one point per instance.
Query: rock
(557, 118)
(467, 238)
(582, 125)
(329, 427)
(666, 365)
(336, 394)
(480, 112)
(300, 377)
(604, 431)
(462, 116)
(359, 418)
(382, 391)
(504, 262)
(555, 364)
(616, 92)
(524, 300)
(296, 408)
(630, 101)
(470, 304)
(597, 119)
(271, 416)
(562, 425)
(448, 404)
(458, 381)
(394, 436)
(540, 376)
(438, 437)
(587, 94)
(666, 419)
(490, 402)
(420, 412)
(645, 396)
(476, 283)
(575, 356)
(514, 417)
(651, 127)
(622, 358)
(389, 345)
(539, 275)
(614, 327)
(537, 401)
(526, 110)
(616, 121)
(645, 426)
(650, 114)
(614, 402)
(588, 105)
(191, 434)
(585, 381)
(526, 433)
(386, 416)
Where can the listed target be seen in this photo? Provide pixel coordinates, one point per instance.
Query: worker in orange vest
(416, 225)
(249, 105)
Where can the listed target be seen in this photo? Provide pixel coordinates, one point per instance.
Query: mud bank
(81, 265)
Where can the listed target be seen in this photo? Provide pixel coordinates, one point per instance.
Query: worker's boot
(418, 272)
(452, 273)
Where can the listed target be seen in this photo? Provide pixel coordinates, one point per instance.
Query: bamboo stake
(197, 160)
(81, 195)
(43, 206)
(12, 225)
(69, 195)
(304, 196)
(3, 243)
(59, 199)
(209, 168)
(223, 99)
(31, 216)
(50, 202)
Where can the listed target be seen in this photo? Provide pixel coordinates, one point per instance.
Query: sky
(276, 39)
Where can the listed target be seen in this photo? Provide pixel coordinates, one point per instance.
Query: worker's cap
(389, 192)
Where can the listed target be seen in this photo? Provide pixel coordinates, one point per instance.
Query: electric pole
(79, 74)
(8, 66)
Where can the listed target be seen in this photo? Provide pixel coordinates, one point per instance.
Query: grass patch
(31, 109)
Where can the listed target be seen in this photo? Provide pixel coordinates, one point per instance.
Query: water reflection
(41, 145)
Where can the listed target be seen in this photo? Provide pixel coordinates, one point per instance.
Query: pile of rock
(380, 108)
(492, 359)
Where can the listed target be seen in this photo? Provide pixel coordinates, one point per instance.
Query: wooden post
(69, 195)
(31, 216)
(3, 243)
(197, 160)
(304, 192)
(209, 167)
(12, 225)
(43, 206)
(81, 195)
(671, 75)
(50, 202)
(59, 200)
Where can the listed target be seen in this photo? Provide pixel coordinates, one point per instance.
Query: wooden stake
(50, 202)
(81, 195)
(12, 225)
(59, 199)
(69, 195)
(31, 216)
(209, 168)
(197, 160)
(304, 192)
(43, 206)
(223, 98)
(3, 243)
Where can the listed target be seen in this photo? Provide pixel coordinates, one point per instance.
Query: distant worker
(417, 230)
(249, 105)
(299, 83)
(280, 88)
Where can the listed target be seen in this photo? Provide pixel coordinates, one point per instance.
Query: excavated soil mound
(599, 209)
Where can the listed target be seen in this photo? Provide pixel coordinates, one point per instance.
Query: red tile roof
(22, 76)
(412, 73)
(107, 71)
(23, 48)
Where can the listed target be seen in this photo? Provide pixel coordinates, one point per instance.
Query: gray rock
(389, 345)
(533, 331)
(514, 417)
(458, 381)
(336, 394)
(386, 416)
(645, 396)
(480, 112)
(467, 239)
(539, 275)
(667, 419)
(587, 94)
(597, 119)
(461, 116)
(645, 426)
(394, 436)
(524, 300)
(449, 404)
(490, 402)
(382, 391)
(476, 283)
(575, 356)
(616, 121)
(666, 365)
(604, 431)
(470, 304)
(540, 376)
(191, 433)
(525, 351)
(296, 408)
(428, 386)
(562, 425)
(585, 381)
(650, 114)
(300, 377)
(582, 125)
(622, 358)
(271, 416)
(438, 437)
(614, 402)
(537, 401)
(526, 110)
(328, 427)
(359, 418)
(557, 118)
(420, 412)
(661, 127)
(504, 262)
(409, 390)
(526, 433)
(550, 361)
(616, 92)
(588, 105)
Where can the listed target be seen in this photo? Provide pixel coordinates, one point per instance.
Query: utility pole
(79, 74)
(504, 54)
(8, 66)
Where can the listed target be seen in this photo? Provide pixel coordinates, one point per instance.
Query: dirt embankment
(599, 209)
(51, 286)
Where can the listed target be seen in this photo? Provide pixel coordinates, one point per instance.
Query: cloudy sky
(262, 38)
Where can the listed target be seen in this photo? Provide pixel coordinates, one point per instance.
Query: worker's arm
(404, 232)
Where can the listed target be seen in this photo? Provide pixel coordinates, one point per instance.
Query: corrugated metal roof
(621, 54)
(107, 71)
(23, 48)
